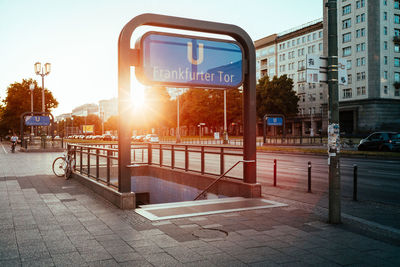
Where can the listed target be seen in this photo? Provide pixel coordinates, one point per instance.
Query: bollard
(274, 172)
(309, 177)
(355, 182)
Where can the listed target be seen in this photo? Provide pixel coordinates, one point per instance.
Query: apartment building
(285, 54)
(85, 110)
(108, 108)
(369, 40)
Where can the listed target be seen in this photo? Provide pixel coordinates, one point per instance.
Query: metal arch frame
(266, 116)
(128, 57)
(23, 115)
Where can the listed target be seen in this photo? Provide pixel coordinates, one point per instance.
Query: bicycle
(63, 166)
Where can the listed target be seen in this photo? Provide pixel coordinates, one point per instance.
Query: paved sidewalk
(49, 221)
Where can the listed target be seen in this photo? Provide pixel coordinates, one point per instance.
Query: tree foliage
(18, 101)
(276, 96)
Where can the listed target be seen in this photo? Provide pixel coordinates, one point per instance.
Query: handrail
(219, 178)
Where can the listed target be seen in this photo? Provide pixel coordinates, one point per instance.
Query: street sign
(275, 121)
(342, 71)
(37, 120)
(189, 61)
(314, 62)
(88, 129)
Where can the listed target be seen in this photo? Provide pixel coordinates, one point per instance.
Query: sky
(79, 37)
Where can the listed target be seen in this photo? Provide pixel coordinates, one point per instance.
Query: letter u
(190, 54)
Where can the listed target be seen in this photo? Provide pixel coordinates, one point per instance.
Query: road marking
(5, 151)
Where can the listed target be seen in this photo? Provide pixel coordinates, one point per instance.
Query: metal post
(202, 160)
(149, 154)
(178, 134)
(161, 156)
(274, 172)
(355, 182)
(97, 163)
(43, 106)
(225, 137)
(186, 158)
(333, 114)
(309, 177)
(221, 161)
(172, 157)
(109, 153)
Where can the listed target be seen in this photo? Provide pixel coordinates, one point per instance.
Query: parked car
(107, 137)
(381, 141)
(152, 138)
(140, 138)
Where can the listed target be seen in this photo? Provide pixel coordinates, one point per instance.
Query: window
(298, 41)
(396, 91)
(320, 47)
(397, 61)
(313, 49)
(385, 75)
(360, 18)
(303, 40)
(363, 61)
(347, 51)
(320, 34)
(385, 30)
(361, 90)
(396, 32)
(384, 15)
(360, 61)
(309, 49)
(360, 4)
(360, 32)
(349, 79)
(346, 10)
(360, 47)
(397, 19)
(314, 36)
(346, 37)
(396, 4)
(288, 44)
(397, 48)
(348, 64)
(397, 76)
(385, 60)
(309, 37)
(293, 42)
(346, 23)
(385, 2)
(360, 76)
(385, 45)
(347, 93)
(385, 89)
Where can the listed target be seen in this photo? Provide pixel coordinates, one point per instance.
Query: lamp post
(31, 87)
(178, 132)
(225, 126)
(42, 72)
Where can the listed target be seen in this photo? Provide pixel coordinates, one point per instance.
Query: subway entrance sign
(37, 120)
(274, 121)
(181, 60)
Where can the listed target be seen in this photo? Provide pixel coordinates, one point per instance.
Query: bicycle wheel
(59, 166)
(70, 168)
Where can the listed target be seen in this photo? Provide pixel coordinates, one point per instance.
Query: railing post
(172, 157)
(109, 153)
(97, 164)
(134, 154)
(274, 172)
(202, 159)
(309, 177)
(81, 160)
(186, 158)
(74, 149)
(88, 162)
(221, 161)
(161, 155)
(355, 182)
(149, 154)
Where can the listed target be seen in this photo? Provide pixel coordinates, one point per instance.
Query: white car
(152, 138)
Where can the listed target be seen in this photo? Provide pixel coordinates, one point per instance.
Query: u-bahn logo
(37, 118)
(190, 54)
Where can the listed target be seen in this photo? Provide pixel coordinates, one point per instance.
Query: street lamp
(225, 126)
(179, 91)
(31, 87)
(42, 72)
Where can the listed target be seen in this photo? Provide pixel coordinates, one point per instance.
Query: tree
(276, 96)
(18, 101)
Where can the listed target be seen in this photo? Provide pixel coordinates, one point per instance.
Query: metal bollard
(309, 177)
(355, 182)
(274, 172)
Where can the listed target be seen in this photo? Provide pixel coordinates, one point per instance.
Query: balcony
(396, 39)
(264, 66)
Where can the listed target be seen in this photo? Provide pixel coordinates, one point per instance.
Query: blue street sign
(275, 121)
(37, 120)
(180, 60)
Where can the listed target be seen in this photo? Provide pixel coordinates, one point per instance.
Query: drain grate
(210, 233)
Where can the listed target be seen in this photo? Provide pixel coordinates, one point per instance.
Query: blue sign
(180, 60)
(275, 121)
(37, 121)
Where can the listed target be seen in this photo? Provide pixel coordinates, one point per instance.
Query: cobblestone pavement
(49, 221)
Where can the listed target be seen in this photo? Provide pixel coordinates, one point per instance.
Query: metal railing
(220, 177)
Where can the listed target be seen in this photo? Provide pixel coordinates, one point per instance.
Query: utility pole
(333, 116)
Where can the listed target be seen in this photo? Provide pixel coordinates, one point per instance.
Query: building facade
(285, 54)
(368, 38)
(108, 108)
(85, 110)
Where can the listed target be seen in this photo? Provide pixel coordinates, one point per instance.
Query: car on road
(152, 138)
(381, 141)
